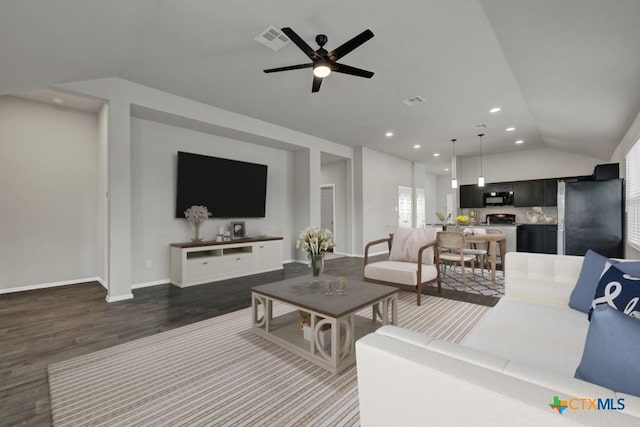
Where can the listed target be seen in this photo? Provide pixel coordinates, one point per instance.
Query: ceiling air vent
(272, 38)
(413, 101)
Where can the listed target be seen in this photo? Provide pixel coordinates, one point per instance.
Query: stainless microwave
(498, 198)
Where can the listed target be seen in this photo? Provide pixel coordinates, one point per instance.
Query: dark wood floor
(41, 327)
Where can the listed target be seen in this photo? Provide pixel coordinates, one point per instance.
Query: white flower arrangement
(197, 214)
(315, 242)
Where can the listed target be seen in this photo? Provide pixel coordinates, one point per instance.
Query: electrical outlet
(148, 263)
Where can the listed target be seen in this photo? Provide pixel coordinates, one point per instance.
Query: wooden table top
(301, 292)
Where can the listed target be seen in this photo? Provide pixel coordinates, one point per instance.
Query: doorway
(327, 208)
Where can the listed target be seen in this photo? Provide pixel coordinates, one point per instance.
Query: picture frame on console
(238, 230)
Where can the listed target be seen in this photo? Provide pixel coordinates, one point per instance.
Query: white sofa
(505, 372)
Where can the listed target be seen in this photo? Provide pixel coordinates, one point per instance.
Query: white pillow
(407, 243)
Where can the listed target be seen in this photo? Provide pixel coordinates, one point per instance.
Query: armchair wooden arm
(373, 243)
(420, 251)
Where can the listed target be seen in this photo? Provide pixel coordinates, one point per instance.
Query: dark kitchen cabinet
(529, 238)
(528, 193)
(550, 239)
(541, 239)
(471, 196)
(551, 192)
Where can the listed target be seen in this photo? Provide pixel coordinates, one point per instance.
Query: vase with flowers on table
(196, 215)
(315, 242)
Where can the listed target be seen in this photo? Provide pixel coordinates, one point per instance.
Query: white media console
(203, 262)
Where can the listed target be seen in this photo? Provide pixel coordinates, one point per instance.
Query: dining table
(496, 241)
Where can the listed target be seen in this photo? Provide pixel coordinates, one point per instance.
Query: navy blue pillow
(619, 290)
(610, 356)
(582, 294)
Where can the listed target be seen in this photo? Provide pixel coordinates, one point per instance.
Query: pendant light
(454, 180)
(481, 177)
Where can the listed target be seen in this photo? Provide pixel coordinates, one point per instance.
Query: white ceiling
(566, 73)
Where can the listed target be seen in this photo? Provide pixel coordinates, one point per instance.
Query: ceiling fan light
(321, 70)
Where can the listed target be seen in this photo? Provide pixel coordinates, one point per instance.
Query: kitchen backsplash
(521, 213)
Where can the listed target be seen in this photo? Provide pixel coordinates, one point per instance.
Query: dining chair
(478, 249)
(495, 231)
(450, 250)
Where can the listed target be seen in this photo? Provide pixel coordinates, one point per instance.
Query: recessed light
(388, 134)
(510, 129)
(57, 100)
(416, 146)
(495, 110)
(446, 169)
(436, 154)
(520, 141)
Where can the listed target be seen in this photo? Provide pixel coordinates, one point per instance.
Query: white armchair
(411, 261)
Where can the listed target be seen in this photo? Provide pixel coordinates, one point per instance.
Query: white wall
(154, 226)
(381, 175)
(336, 173)
(49, 193)
(526, 164)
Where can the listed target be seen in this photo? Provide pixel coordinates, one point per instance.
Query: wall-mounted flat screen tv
(228, 188)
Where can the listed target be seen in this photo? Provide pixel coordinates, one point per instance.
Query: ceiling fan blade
(317, 81)
(290, 67)
(300, 43)
(347, 47)
(346, 69)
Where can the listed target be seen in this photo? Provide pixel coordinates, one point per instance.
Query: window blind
(632, 175)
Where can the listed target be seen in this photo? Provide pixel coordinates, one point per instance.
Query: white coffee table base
(285, 330)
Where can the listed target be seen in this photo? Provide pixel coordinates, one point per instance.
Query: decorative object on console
(315, 242)
(219, 233)
(238, 229)
(196, 215)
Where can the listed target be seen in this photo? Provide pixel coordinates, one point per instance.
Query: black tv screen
(228, 188)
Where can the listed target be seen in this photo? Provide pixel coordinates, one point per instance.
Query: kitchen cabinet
(550, 192)
(550, 239)
(528, 193)
(471, 196)
(541, 238)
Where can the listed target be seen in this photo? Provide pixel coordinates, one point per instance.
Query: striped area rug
(216, 372)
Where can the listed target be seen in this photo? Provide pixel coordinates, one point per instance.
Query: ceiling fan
(323, 62)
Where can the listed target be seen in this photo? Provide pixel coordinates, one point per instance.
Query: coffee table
(335, 313)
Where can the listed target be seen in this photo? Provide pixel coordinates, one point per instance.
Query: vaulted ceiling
(566, 73)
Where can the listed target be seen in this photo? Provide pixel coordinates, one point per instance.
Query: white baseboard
(119, 297)
(52, 285)
(149, 284)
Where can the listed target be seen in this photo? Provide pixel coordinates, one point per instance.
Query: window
(632, 176)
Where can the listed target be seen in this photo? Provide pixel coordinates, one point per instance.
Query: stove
(501, 218)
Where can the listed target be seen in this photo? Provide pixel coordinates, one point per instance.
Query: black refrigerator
(590, 216)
